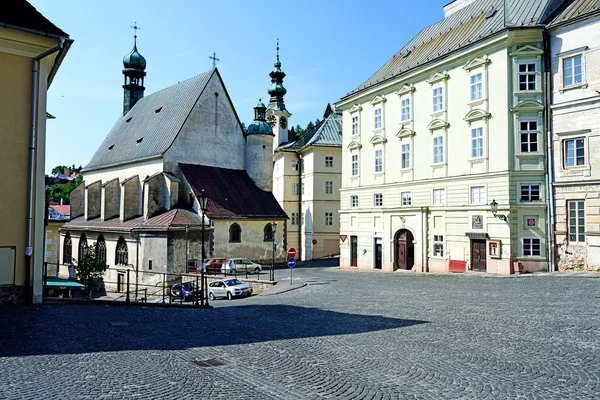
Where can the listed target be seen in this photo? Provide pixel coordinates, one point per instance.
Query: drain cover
(211, 362)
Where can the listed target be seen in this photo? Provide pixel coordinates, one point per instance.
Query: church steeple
(276, 90)
(134, 64)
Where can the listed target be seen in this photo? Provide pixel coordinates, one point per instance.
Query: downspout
(551, 247)
(31, 180)
(299, 207)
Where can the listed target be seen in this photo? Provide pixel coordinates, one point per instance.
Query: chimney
(67, 172)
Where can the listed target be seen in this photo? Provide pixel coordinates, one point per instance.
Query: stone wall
(93, 202)
(78, 201)
(130, 198)
(111, 196)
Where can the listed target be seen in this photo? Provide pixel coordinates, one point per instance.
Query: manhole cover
(119, 323)
(212, 362)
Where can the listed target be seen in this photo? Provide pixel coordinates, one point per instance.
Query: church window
(235, 233)
(268, 233)
(82, 247)
(121, 257)
(101, 248)
(68, 249)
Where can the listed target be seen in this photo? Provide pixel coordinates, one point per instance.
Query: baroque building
(444, 152)
(142, 191)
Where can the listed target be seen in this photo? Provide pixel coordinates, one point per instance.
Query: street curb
(272, 291)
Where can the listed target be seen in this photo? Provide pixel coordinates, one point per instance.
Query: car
(228, 288)
(214, 264)
(190, 291)
(234, 265)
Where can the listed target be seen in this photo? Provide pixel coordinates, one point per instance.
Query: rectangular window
(377, 118)
(577, 221)
(439, 196)
(532, 247)
(405, 110)
(302, 188)
(405, 148)
(378, 200)
(476, 142)
(379, 160)
(478, 195)
(354, 126)
(328, 187)
(574, 152)
(438, 149)
(329, 161)
(528, 131)
(406, 198)
(572, 70)
(438, 245)
(354, 164)
(530, 193)
(328, 219)
(295, 189)
(354, 201)
(295, 219)
(302, 166)
(527, 77)
(438, 99)
(476, 86)
(295, 165)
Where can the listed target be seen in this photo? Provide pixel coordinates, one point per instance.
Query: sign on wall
(477, 221)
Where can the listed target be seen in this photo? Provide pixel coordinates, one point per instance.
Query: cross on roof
(135, 28)
(214, 59)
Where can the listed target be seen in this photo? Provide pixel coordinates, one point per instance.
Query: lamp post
(203, 204)
(494, 207)
(273, 230)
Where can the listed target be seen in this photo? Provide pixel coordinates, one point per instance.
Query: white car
(235, 265)
(229, 288)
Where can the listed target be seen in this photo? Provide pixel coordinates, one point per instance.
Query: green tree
(58, 168)
(91, 268)
(309, 126)
(63, 190)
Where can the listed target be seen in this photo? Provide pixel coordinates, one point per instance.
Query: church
(167, 155)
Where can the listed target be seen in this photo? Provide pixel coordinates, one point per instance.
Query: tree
(91, 268)
(310, 126)
(317, 121)
(58, 168)
(63, 190)
(328, 111)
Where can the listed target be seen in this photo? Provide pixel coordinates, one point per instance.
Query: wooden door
(478, 256)
(401, 255)
(405, 250)
(378, 253)
(353, 251)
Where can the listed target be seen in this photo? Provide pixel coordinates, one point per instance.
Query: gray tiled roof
(459, 30)
(577, 9)
(156, 119)
(327, 133)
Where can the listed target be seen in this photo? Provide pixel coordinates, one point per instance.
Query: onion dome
(260, 125)
(134, 60)
(276, 90)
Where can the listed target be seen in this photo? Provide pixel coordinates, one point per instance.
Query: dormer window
(158, 110)
(139, 140)
(111, 147)
(128, 119)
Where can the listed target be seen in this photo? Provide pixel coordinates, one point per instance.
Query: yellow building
(31, 51)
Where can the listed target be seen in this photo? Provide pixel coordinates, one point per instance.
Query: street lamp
(494, 206)
(273, 230)
(203, 204)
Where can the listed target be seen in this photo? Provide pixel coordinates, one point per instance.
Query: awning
(53, 282)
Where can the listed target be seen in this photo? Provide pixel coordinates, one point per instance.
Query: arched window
(235, 233)
(121, 256)
(82, 246)
(67, 249)
(268, 231)
(101, 248)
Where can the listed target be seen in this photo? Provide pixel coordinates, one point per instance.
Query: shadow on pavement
(73, 329)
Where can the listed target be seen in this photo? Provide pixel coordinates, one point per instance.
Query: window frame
(295, 220)
(405, 156)
(480, 139)
(354, 201)
(328, 187)
(68, 249)
(121, 252)
(268, 233)
(481, 199)
(437, 94)
(575, 156)
(476, 84)
(354, 125)
(378, 200)
(529, 199)
(574, 75)
(405, 109)
(580, 237)
(439, 146)
(442, 197)
(295, 188)
(529, 132)
(328, 219)
(328, 161)
(527, 74)
(437, 243)
(354, 166)
(378, 160)
(377, 118)
(406, 201)
(531, 246)
(235, 229)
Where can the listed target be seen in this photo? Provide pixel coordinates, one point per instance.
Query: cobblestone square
(345, 335)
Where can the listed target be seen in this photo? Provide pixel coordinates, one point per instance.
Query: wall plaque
(477, 221)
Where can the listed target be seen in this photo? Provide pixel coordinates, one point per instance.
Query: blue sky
(327, 48)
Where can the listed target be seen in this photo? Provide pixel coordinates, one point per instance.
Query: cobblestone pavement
(344, 335)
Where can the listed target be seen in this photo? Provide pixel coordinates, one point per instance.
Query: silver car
(229, 288)
(233, 265)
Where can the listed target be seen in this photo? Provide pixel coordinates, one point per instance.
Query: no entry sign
(291, 252)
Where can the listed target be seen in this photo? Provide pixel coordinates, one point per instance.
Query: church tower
(134, 74)
(259, 149)
(277, 115)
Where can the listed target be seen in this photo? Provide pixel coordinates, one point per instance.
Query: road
(344, 335)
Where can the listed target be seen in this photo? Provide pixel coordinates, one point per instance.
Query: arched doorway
(404, 254)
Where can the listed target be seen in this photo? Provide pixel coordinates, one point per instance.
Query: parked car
(229, 288)
(214, 264)
(189, 291)
(233, 265)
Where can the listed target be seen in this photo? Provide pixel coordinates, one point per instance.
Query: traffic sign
(292, 262)
(291, 252)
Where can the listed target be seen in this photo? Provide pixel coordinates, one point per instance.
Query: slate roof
(327, 133)
(59, 213)
(175, 219)
(459, 30)
(156, 119)
(231, 193)
(577, 9)
(22, 14)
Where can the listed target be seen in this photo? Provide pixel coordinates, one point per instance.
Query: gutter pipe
(31, 180)
(551, 245)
